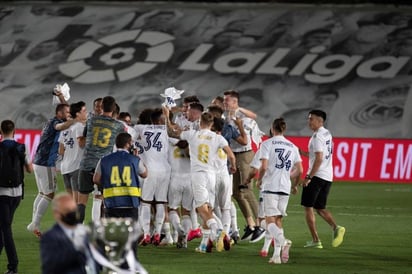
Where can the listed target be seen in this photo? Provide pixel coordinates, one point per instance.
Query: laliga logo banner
(120, 56)
(129, 54)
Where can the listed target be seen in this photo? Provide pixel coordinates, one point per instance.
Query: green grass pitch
(377, 217)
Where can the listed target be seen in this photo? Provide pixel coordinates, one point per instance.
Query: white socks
(175, 220)
(226, 220)
(205, 237)
(218, 221)
(193, 215)
(186, 223)
(233, 217)
(40, 205)
(145, 219)
(160, 218)
(96, 209)
(277, 233)
(212, 224)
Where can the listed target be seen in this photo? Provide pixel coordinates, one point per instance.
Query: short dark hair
(156, 115)
(109, 104)
(232, 93)
(215, 109)
(217, 124)
(219, 98)
(123, 115)
(122, 139)
(116, 109)
(99, 99)
(319, 113)
(76, 107)
(197, 106)
(145, 116)
(191, 99)
(7, 126)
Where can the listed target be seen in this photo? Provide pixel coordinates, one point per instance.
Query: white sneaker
(285, 251)
(275, 260)
(35, 230)
(166, 241)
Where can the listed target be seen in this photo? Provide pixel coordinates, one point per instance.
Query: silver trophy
(111, 245)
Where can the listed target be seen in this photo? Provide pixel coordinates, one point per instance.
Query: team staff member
(10, 197)
(318, 180)
(118, 174)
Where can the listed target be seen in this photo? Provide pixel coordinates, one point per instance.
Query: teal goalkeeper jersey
(101, 132)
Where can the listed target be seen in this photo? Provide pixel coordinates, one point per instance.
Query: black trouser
(8, 206)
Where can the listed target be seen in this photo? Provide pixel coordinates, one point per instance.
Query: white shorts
(274, 204)
(45, 178)
(224, 190)
(203, 185)
(155, 186)
(180, 191)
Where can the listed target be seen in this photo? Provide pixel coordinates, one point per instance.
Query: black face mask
(70, 218)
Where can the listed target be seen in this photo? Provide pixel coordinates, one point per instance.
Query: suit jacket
(58, 254)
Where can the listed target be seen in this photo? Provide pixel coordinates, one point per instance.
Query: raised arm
(64, 125)
(250, 114)
(172, 130)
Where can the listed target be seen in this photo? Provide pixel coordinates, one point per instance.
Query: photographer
(118, 174)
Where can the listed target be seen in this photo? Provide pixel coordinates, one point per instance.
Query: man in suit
(59, 247)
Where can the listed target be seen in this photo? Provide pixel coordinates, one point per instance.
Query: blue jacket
(120, 180)
(58, 254)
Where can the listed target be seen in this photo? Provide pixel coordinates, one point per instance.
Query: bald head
(65, 209)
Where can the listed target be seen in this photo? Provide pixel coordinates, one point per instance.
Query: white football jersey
(220, 162)
(73, 152)
(321, 141)
(203, 148)
(282, 155)
(153, 147)
(179, 158)
(182, 122)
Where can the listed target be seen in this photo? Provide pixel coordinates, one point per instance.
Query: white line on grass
(362, 215)
(408, 209)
